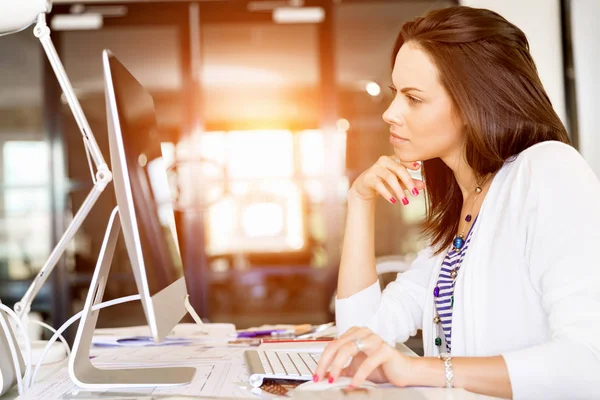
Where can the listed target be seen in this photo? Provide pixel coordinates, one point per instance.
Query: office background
(266, 124)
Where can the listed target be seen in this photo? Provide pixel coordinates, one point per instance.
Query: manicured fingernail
(405, 201)
(392, 200)
(416, 165)
(330, 380)
(315, 378)
(415, 191)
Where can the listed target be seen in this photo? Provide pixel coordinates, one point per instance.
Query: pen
(295, 331)
(266, 332)
(321, 339)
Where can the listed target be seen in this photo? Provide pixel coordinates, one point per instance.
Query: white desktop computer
(150, 240)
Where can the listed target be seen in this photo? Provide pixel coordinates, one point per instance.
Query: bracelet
(449, 372)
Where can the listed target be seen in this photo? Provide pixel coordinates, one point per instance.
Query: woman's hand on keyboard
(372, 359)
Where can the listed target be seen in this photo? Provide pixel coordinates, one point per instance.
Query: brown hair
(484, 64)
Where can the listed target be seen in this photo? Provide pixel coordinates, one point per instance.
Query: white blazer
(529, 285)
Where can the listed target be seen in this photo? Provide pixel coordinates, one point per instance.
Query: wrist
(427, 371)
(355, 198)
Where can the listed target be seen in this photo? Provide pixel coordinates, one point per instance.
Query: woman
(507, 291)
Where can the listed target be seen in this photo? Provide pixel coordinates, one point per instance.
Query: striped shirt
(445, 301)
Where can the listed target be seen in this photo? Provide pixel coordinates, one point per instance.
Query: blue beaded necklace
(436, 291)
(458, 243)
(459, 240)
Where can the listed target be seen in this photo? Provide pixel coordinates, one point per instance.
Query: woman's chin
(406, 156)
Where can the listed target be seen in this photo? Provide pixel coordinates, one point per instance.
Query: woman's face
(422, 122)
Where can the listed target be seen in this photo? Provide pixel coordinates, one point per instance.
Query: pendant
(438, 341)
(436, 291)
(437, 319)
(452, 302)
(458, 242)
(468, 218)
(453, 274)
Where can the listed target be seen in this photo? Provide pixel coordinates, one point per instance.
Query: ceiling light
(67, 22)
(373, 89)
(343, 124)
(298, 15)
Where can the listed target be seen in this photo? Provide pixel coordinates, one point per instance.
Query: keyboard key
(265, 363)
(302, 368)
(275, 363)
(309, 361)
(289, 366)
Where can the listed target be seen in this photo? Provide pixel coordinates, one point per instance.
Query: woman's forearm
(357, 265)
(483, 375)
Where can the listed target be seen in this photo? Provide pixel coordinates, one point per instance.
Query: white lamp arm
(103, 175)
(42, 32)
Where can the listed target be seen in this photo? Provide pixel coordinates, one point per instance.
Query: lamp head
(16, 15)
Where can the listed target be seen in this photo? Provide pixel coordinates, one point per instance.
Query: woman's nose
(393, 114)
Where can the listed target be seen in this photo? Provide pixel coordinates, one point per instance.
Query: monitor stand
(81, 370)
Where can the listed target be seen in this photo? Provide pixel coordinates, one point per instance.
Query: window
(26, 223)
(263, 183)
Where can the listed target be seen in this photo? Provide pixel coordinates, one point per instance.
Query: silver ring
(359, 344)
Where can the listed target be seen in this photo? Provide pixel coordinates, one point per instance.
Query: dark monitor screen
(147, 172)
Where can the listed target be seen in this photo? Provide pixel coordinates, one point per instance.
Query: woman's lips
(395, 139)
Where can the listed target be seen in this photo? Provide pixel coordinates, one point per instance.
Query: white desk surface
(56, 375)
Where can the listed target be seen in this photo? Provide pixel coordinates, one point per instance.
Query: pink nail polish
(416, 165)
(392, 200)
(315, 378)
(330, 380)
(415, 191)
(405, 201)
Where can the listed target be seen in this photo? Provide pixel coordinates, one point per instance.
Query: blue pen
(266, 332)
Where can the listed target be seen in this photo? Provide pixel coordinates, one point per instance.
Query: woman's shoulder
(549, 150)
(547, 158)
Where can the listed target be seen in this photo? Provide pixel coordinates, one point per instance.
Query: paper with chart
(220, 372)
(224, 379)
(174, 355)
(139, 336)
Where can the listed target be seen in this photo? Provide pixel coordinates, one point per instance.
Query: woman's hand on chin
(388, 178)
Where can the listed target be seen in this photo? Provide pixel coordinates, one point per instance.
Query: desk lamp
(15, 16)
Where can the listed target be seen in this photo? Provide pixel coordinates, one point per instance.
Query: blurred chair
(388, 268)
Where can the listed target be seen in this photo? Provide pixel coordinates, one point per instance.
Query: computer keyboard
(272, 364)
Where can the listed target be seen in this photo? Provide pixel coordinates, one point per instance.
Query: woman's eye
(413, 100)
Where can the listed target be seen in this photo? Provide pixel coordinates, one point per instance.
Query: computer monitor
(139, 177)
(138, 166)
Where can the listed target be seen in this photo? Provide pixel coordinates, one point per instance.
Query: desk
(221, 374)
